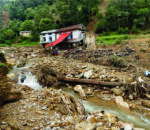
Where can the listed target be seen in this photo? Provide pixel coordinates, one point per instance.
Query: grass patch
(26, 43)
(3, 45)
(112, 39)
(3, 65)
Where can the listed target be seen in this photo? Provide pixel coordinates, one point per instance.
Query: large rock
(79, 89)
(146, 103)
(88, 74)
(85, 126)
(120, 102)
(21, 63)
(63, 102)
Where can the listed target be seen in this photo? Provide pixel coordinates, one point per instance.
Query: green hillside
(121, 16)
(39, 15)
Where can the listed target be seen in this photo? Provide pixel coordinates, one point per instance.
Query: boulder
(128, 127)
(85, 126)
(63, 102)
(80, 90)
(146, 103)
(120, 102)
(21, 63)
(88, 74)
(117, 91)
(13, 77)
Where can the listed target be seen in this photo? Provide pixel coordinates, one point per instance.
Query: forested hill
(123, 16)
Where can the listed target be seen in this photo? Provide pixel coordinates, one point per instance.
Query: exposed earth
(78, 91)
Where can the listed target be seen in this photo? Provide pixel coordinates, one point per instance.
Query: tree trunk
(88, 81)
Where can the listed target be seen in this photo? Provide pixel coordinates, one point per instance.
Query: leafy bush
(118, 61)
(94, 10)
(8, 42)
(126, 30)
(53, 10)
(142, 50)
(135, 30)
(101, 26)
(99, 15)
(120, 31)
(118, 41)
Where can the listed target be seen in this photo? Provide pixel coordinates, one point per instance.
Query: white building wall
(47, 37)
(76, 34)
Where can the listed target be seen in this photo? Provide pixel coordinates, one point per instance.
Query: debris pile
(50, 72)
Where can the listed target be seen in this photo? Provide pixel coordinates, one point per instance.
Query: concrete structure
(25, 33)
(63, 38)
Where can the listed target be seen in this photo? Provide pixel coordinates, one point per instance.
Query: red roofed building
(64, 38)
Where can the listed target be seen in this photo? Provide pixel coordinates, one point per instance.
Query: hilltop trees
(46, 24)
(127, 14)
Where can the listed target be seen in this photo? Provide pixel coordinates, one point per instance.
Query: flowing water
(92, 104)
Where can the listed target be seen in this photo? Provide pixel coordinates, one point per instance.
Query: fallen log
(88, 81)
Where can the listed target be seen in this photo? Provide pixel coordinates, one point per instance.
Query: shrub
(118, 61)
(126, 30)
(142, 50)
(94, 11)
(118, 41)
(99, 15)
(120, 30)
(53, 10)
(8, 42)
(135, 30)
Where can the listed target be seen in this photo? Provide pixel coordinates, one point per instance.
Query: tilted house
(63, 38)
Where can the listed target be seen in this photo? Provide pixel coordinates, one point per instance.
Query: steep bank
(7, 90)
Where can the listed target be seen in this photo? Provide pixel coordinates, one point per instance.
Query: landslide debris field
(40, 91)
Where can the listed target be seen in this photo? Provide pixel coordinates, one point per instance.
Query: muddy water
(92, 104)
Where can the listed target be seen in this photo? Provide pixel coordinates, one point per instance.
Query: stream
(92, 104)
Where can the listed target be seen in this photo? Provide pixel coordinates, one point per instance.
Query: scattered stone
(85, 126)
(79, 89)
(120, 101)
(146, 103)
(128, 127)
(88, 74)
(117, 91)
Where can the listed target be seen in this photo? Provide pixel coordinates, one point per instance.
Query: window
(70, 36)
(50, 38)
(44, 39)
(49, 34)
(43, 34)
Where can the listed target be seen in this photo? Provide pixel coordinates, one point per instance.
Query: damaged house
(65, 38)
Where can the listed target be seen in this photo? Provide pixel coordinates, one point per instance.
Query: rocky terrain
(83, 73)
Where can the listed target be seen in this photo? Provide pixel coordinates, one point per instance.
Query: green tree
(27, 25)
(46, 24)
(1, 18)
(40, 13)
(9, 34)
